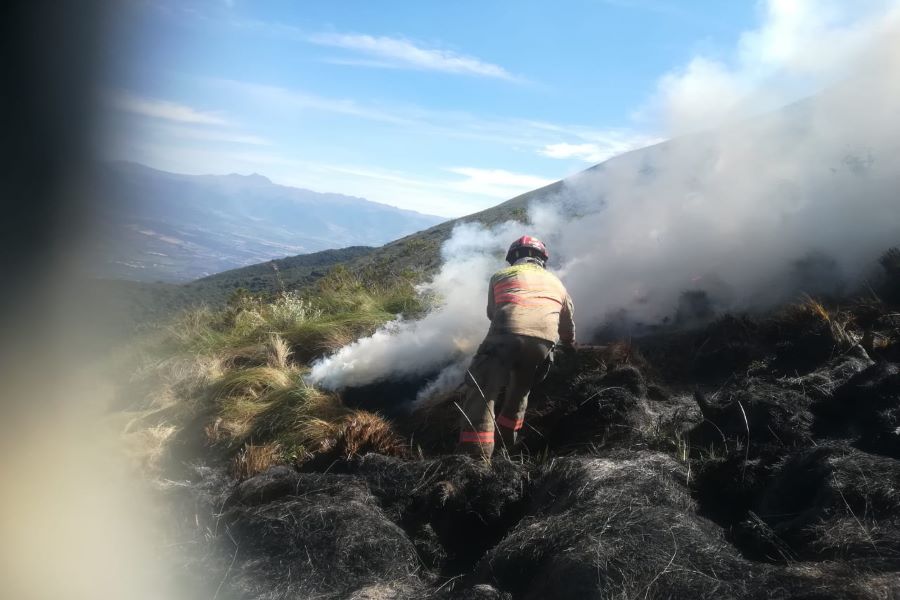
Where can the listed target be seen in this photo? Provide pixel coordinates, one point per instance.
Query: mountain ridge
(155, 225)
(258, 178)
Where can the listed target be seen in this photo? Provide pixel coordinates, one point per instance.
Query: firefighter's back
(526, 299)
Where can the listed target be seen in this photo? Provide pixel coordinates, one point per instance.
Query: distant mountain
(160, 226)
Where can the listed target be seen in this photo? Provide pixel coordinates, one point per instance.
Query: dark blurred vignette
(70, 516)
(53, 54)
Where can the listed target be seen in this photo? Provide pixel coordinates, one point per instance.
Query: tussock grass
(813, 307)
(302, 421)
(250, 383)
(343, 306)
(235, 374)
(354, 433)
(808, 311)
(287, 413)
(252, 460)
(147, 445)
(315, 339)
(810, 318)
(279, 352)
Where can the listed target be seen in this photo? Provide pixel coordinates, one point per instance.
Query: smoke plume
(755, 209)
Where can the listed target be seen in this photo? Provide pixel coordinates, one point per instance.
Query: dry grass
(298, 416)
(365, 431)
(811, 315)
(357, 432)
(162, 395)
(147, 446)
(251, 355)
(242, 366)
(252, 460)
(314, 339)
(251, 383)
(287, 411)
(279, 352)
(815, 308)
(801, 314)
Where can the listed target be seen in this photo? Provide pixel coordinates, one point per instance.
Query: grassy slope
(293, 272)
(131, 302)
(236, 373)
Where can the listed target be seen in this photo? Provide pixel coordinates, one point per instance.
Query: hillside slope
(751, 457)
(132, 303)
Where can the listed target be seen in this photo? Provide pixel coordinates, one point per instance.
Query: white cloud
(585, 152)
(479, 189)
(412, 191)
(161, 109)
(226, 137)
(399, 52)
(276, 98)
(362, 62)
(547, 139)
(598, 147)
(455, 124)
(496, 183)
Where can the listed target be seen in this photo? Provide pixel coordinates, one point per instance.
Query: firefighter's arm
(567, 322)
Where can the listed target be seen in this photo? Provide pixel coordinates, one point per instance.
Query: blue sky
(445, 108)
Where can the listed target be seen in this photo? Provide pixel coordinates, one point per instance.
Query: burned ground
(751, 457)
(622, 525)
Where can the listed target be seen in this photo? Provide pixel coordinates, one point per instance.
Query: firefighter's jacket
(526, 299)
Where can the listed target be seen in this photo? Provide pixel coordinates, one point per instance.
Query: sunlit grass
(237, 373)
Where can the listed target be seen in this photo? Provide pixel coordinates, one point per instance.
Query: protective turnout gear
(525, 246)
(545, 367)
(530, 310)
(526, 299)
(502, 360)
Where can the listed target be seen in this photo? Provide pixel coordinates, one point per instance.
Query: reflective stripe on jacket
(526, 299)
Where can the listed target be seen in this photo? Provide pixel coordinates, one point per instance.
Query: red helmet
(530, 243)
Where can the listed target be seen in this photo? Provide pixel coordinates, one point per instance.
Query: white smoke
(450, 332)
(801, 46)
(734, 211)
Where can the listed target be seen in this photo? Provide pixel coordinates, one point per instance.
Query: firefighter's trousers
(503, 361)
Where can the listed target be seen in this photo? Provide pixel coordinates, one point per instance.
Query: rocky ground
(752, 457)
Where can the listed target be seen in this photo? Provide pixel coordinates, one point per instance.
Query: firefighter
(530, 311)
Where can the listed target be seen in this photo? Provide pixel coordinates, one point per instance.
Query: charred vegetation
(745, 456)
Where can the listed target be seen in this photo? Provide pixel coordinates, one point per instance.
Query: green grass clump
(270, 411)
(251, 382)
(238, 375)
(344, 306)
